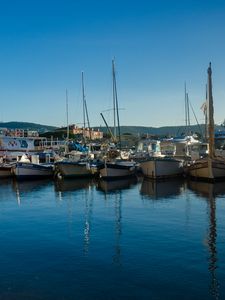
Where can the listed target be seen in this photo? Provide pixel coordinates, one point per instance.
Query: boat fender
(59, 175)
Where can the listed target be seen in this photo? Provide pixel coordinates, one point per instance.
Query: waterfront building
(17, 132)
(89, 133)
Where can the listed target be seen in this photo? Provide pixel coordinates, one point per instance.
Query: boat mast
(185, 104)
(109, 130)
(206, 117)
(188, 113)
(87, 119)
(83, 98)
(67, 116)
(187, 110)
(85, 110)
(115, 100)
(210, 113)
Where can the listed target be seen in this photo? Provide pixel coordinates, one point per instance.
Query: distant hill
(28, 126)
(166, 130)
(160, 131)
(134, 130)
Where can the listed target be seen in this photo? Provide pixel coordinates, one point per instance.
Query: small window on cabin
(36, 143)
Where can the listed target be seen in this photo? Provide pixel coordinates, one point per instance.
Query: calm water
(78, 239)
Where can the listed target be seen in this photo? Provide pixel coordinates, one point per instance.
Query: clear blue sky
(157, 46)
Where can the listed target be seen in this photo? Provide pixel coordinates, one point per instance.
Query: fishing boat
(212, 167)
(162, 167)
(117, 169)
(158, 165)
(68, 168)
(165, 158)
(30, 168)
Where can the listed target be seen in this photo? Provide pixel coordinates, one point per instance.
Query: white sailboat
(166, 158)
(117, 168)
(211, 167)
(70, 167)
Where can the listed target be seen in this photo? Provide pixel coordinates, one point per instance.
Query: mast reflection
(210, 191)
(118, 229)
(66, 188)
(23, 187)
(212, 235)
(113, 190)
(87, 220)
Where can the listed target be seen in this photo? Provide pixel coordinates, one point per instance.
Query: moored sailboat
(211, 167)
(117, 168)
(76, 166)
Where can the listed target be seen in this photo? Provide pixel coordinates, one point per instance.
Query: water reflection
(5, 189)
(118, 229)
(116, 185)
(24, 187)
(63, 185)
(29, 186)
(68, 188)
(113, 193)
(207, 190)
(4, 182)
(155, 189)
(210, 191)
(88, 210)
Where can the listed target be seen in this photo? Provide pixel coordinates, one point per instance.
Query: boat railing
(54, 144)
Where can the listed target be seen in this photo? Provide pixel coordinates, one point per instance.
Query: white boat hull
(29, 170)
(117, 170)
(72, 169)
(208, 169)
(161, 167)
